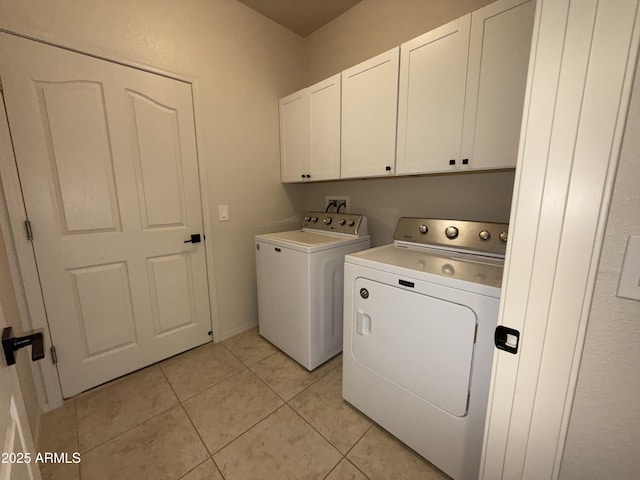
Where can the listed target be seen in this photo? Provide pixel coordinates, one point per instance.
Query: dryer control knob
(423, 229)
(307, 218)
(342, 221)
(503, 237)
(484, 235)
(327, 220)
(451, 232)
(314, 219)
(351, 223)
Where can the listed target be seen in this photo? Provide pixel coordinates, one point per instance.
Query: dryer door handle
(363, 323)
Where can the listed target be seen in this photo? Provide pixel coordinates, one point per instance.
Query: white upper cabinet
(433, 71)
(496, 80)
(295, 157)
(462, 91)
(369, 109)
(456, 95)
(324, 112)
(310, 133)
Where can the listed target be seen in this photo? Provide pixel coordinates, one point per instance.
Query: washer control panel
(481, 237)
(345, 223)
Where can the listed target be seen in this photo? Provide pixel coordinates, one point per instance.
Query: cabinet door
(369, 108)
(294, 137)
(433, 70)
(324, 106)
(496, 80)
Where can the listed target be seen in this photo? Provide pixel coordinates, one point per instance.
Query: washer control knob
(423, 229)
(314, 219)
(484, 235)
(327, 220)
(503, 236)
(342, 221)
(451, 232)
(307, 218)
(351, 223)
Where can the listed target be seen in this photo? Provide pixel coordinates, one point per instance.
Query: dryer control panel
(344, 223)
(457, 235)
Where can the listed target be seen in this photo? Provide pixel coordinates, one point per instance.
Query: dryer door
(421, 343)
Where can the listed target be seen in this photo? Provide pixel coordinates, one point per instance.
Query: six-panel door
(108, 165)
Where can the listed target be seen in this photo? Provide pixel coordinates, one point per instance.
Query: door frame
(22, 259)
(584, 55)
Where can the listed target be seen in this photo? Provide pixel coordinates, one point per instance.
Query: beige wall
(467, 196)
(374, 26)
(243, 63)
(604, 430)
(369, 28)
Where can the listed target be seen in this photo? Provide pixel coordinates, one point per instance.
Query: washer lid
(459, 270)
(307, 241)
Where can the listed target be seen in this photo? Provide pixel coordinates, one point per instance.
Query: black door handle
(195, 238)
(10, 344)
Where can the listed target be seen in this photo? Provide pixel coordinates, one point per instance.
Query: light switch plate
(629, 284)
(223, 213)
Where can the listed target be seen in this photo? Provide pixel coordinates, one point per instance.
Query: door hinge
(54, 355)
(27, 227)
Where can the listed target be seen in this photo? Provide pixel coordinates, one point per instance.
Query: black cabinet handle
(195, 238)
(10, 344)
(465, 161)
(452, 162)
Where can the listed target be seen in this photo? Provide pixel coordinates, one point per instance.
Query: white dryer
(301, 284)
(419, 320)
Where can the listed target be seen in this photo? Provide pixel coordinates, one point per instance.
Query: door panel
(108, 166)
(496, 81)
(369, 112)
(172, 302)
(158, 161)
(433, 70)
(104, 329)
(421, 343)
(81, 171)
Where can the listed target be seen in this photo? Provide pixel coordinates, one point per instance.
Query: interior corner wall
(243, 63)
(369, 28)
(604, 428)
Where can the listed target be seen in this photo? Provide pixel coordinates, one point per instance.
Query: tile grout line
(209, 455)
(75, 409)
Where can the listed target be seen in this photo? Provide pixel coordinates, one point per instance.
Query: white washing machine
(301, 284)
(419, 320)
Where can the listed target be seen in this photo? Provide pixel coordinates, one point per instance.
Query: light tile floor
(238, 410)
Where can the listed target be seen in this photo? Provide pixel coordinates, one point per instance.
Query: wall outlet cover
(629, 284)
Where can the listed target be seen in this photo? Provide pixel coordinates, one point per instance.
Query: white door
(295, 162)
(108, 166)
(324, 129)
(369, 111)
(18, 454)
(582, 69)
(496, 80)
(433, 70)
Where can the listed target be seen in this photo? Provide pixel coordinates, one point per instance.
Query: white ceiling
(301, 16)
